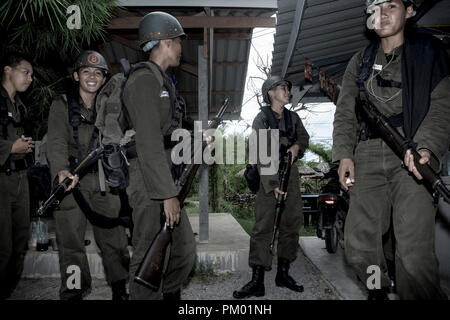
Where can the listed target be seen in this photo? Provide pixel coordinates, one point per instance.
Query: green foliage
(39, 29)
(322, 151)
(40, 26)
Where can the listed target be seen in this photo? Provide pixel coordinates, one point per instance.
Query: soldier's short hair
(12, 59)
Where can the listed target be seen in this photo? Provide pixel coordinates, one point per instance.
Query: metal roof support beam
(187, 22)
(299, 11)
(261, 4)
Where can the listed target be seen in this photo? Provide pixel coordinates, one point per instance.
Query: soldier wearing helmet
(293, 137)
(149, 97)
(405, 75)
(71, 136)
(16, 147)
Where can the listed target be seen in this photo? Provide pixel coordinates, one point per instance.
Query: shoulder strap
(174, 122)
(74, 109)
(370, 54)
(163, 81)
(289, 126)
(75, 120)
(151, 66)
(271, 122)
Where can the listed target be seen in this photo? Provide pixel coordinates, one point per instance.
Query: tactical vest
(251, 173)
(75, 120)
(368, 61)
(270, 122)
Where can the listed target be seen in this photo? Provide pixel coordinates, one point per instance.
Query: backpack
(114, 124)
(251, 173)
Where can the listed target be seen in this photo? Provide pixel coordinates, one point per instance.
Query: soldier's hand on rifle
(294, 150)
(409, 161)
(346, 165)
(172, 211)
(277, 192)
(66, 174)
(23, 145)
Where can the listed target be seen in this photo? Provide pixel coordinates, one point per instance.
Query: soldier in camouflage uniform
(379, 185)
(276, 94)
(14, 194)
(63, 153)
(147, 97)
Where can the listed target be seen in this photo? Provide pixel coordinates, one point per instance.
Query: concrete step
(226, 251)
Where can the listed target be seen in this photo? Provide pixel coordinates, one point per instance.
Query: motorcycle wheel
(331, 240)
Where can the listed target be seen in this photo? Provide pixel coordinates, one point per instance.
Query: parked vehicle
(333, 205)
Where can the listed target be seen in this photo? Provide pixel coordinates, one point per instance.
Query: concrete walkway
(222, 267)
(334, 268)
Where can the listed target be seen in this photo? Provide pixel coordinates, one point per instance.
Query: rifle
(150, 270)
(59, 191)
(380, 124)
(285, 170)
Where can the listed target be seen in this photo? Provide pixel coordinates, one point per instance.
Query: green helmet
(271, 83)
(370, 4)
(91, 59)
(158, 26)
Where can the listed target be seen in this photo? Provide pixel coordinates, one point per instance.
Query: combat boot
(255, 287)
(283, 279)
(119, 291)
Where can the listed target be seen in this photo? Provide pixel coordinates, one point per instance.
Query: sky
(318, 121)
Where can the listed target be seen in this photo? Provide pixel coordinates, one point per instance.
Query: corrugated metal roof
(329, 33)
(230, 56)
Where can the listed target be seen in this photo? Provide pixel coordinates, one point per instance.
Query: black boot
(255, 287)
(119, 290)
(283, 279)
(172, 296)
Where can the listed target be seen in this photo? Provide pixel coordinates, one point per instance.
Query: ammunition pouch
(115, 165)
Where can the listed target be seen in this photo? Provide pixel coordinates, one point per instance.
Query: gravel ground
(203, 286)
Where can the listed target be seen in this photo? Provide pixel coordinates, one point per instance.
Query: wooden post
(203, 116)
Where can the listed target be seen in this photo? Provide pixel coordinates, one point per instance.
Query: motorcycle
(333, 203)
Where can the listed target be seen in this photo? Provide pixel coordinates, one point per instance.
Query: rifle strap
(95, 218)
(370, 53)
